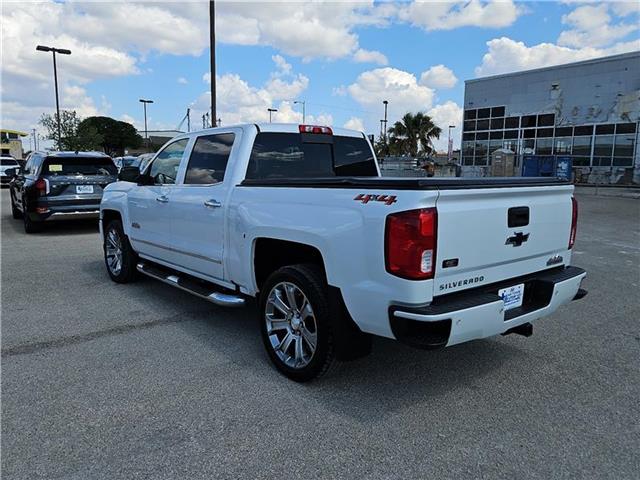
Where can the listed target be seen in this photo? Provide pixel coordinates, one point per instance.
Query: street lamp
(144, 104)
(303, 102)
(61, 51)
(449, 145)
(271, 110)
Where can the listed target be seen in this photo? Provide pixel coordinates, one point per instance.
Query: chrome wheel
(113, 251)
(291, 325)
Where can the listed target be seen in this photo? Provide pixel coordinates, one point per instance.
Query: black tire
(129, 259)
(29, 225)
(15, 213)
(309, 279)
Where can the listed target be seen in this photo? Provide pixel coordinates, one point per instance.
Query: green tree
(115, 135)
(413, 135)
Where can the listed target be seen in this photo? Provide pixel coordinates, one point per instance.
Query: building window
(622, 162)
(512, 122)
(581, 161)
(481, 152)
(528, 121)
(528, 146)
(626, 128)
(564, 131)
(582, 146)
(624, 145)
(511, 134)
(467, 160)
(469, 125)
(562, 146)
(468, 136)
(482, 136)
(510, 145)
(544, 132)
(583, 130)
(546, 120)
(467, 149)
(470, 114)
(605, 129)
(497, 112)
(493, 146)
(601, 161)
(497, 123)
(530, 133)
(603, 146)
(482, 125)
(496, 135)
(544, 146)
(484, 112)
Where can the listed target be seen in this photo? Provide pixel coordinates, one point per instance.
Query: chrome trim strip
(175, 250)
(78, 215)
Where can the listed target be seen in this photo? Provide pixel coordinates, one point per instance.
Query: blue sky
(343, 59)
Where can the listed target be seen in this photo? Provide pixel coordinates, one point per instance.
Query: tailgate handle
(518, 217)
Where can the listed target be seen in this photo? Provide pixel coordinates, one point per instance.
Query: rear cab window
(69, 166)
(208, 160)
(303, 155)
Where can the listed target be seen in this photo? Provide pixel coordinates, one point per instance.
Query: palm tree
(413, 135)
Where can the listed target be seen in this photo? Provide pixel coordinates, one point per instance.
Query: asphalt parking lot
(101, 380)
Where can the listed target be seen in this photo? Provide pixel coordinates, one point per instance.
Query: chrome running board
(195, 287)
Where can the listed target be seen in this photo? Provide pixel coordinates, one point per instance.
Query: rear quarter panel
(348, 233)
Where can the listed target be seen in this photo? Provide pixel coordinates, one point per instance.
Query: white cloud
(400, 88)
(238, 101)
(450, 15)
(182, 81)
(448, 113)
(355, 123)
(370, 56)
(507, 55)
(437, 77)
(591, 27)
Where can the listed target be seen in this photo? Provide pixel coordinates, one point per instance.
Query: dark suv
(60, 186)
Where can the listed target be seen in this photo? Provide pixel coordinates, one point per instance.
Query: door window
(164, 168)
(209, 158)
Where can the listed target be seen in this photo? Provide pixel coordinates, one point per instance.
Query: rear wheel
(294, 320)
(119, 257)
(30, 226)
(15, 213)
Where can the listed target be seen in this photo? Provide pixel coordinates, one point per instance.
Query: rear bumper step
(201, 289)
(480, 312)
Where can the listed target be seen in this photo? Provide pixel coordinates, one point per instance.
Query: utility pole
(188, 119)
(61, 51)
(146, 135)
(385, 102)
(271, 110)
(35, 140)
(212, 49)
(303, 102)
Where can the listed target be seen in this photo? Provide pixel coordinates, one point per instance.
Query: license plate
(84, 188)
(512, 296)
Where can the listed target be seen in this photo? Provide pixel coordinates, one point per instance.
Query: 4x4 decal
(366, 198)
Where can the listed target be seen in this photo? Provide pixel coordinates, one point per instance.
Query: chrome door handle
(212, 203)
(162, 199)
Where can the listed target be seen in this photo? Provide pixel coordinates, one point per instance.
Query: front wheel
(15, 213)
(294, 320)
(119, 257)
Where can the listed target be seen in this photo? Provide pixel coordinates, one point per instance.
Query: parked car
(125, 161)
(59, 186)
(298, 217)
(7, 162)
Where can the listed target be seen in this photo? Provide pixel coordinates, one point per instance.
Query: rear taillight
(410, 243)
(574, 222)
(42, 186)
(315, 129)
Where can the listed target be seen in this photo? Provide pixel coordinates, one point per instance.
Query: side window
(164, 168)
(208, 160)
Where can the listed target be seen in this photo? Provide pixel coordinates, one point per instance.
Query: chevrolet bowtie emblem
(518, 239)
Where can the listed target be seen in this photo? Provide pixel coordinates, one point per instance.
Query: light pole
(144, 104)
(271, 110)
(212, 48)
(61, 51)
(303, 102)
(449, 145)
(386, 103)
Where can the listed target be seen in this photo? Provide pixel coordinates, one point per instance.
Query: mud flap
(349, 341)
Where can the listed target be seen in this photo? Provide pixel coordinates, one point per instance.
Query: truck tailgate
(477, 246)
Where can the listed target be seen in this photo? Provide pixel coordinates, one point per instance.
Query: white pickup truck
(298, 217)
